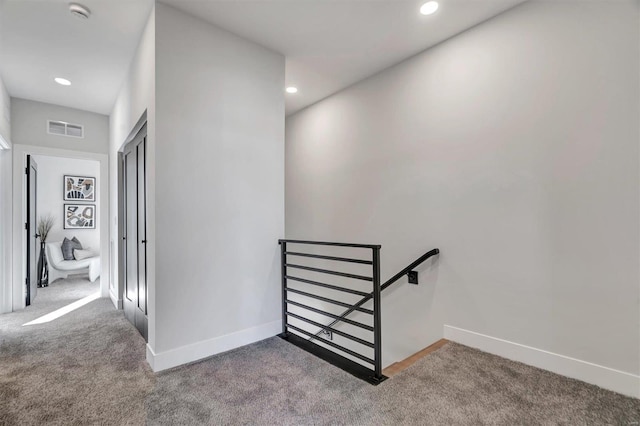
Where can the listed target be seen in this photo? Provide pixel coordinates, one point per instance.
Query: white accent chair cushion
(84, 254)
(60, 268)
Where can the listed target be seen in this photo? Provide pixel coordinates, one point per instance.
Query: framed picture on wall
(79, 216)
(79, 188)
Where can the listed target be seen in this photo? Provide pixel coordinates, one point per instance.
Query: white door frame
(20, 153)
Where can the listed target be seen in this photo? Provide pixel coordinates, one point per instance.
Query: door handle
(144, 241)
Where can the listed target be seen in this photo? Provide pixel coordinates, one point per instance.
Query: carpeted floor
(89, 367)
(86, 367)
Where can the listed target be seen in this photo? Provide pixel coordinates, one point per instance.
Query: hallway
(88, 367)
(504, 133)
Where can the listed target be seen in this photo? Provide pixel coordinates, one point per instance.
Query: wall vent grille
(62, 128)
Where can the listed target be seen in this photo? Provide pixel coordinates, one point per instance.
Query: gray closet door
(135, 288)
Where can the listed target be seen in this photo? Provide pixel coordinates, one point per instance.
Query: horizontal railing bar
(333, 287)
(320, 311)
(330, 343)
(326, 243)
(326, 271)
(333, 330)
(339, 259)
(326, 299)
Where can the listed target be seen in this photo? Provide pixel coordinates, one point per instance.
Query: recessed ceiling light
(79, 11)
(292, 89)
(62, 81)
(429, 8)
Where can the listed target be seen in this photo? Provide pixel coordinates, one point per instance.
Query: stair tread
(399, 366)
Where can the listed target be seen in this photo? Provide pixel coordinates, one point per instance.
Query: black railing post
(377, 321)
(283, 272)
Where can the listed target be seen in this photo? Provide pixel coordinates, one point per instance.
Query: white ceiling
(331, 44)
(328, 44)
(40, 40)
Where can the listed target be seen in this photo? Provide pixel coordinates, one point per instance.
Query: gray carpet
(88, 368)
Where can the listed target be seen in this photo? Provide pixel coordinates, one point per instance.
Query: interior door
(141, 307)
(135, 286)
(31, 229)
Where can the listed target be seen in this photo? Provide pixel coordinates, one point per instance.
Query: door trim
(18, 243)
(31, 229)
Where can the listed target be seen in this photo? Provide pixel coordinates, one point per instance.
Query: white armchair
(60, 268)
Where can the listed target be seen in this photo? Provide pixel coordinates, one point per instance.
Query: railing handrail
(410, 268)
(387, 283)
(326, 243)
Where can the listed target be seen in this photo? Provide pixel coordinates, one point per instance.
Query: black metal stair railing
(293, 309)
(299, 336)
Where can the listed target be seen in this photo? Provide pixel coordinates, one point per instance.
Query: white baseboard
(114, 299)
(605, 377)
(186, 354)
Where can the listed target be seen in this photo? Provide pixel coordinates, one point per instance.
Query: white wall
(136, 96)
(29, 126)
(50, 199)
(5, 202)
(512, 147)
(220, 189)
(5, 113)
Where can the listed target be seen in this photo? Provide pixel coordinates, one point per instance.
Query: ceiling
(41, 40)
(331, 44)
(328, 44)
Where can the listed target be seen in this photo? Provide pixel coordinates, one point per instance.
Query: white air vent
(63, 128)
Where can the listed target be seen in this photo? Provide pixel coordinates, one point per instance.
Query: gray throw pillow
(68, 246)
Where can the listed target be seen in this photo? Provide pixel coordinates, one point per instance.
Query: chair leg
(55, 274)
(94, 270)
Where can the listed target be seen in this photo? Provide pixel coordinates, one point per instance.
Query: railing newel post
(283, 272)
(377, 319)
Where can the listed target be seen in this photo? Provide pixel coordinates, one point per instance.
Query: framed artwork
(79, 216)
(79, 188)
